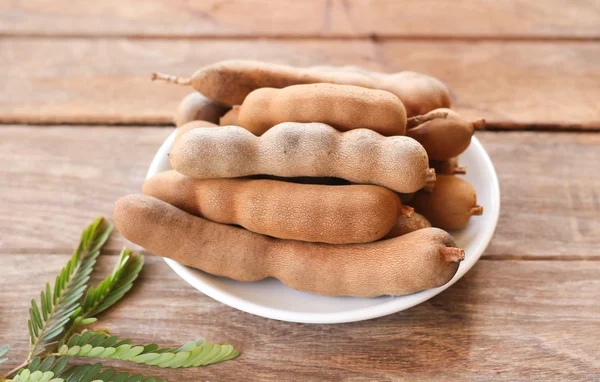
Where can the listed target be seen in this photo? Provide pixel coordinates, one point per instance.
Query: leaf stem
(14, 370)
(68, 333)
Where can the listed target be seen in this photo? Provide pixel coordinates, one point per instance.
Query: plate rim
(394, 305)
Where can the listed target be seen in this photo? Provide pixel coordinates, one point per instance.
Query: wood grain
(289, 18)
(508, 320)
(98, 81)
(108, 81)
(55, 180)
(522, 84)
(550, 194)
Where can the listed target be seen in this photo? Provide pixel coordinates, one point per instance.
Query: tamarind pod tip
(478, 124)
(477, 210)
(169, 78)
(460, 170)
(453, 254)
(429, 179)
(406, 210)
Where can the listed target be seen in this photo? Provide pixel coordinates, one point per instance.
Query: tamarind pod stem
(169, 78)
(460, 170)
(477, 210)
(406, 210)
(453, 254)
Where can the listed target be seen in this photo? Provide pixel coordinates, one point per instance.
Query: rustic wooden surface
(504, 319)
(107, 80)
(529, 310)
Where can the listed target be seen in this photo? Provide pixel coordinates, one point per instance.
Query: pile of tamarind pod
(323, 177)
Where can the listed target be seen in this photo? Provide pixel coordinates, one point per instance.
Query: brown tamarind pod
(448, 166)
(229, 82)
(422, 259)
(450, 204)
(293, 149)
(443, 133)
(407, 223)
(231, 118)
(306, 212)
(196, 107)
(419, 93)
(343, 107)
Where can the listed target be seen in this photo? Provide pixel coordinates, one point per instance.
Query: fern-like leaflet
(47, 323)
(114, 287)
(192, 354)
(53, 369)
(109, 291)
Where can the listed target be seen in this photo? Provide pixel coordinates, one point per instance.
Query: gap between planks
(329, 37)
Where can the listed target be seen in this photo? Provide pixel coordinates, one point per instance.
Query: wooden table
(81, 122)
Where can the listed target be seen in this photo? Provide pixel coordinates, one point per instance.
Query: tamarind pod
(420, 260)
(231, 118)
(304, 149)
(229, 82)
(419, 93)
(443, 133)
(450, 204)
(407, 223)
(346, 68)
(307, 212)
(196, 107)
(343, 107)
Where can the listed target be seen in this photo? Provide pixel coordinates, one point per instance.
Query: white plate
(270, 298)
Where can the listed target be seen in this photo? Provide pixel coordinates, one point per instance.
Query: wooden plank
(509, 320)
(550, 194)
(55, 180)
(98, 81)
(289, 18)
(512, 85)
(478, 19)
(108, 81)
